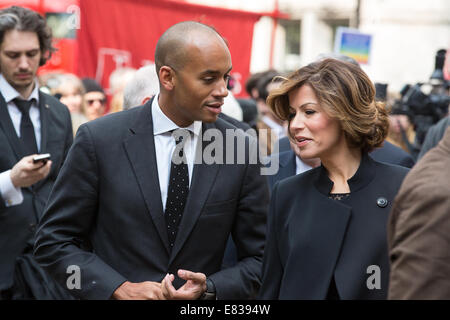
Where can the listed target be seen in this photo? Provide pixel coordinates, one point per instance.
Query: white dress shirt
(11, 195)
(165, 145)
(279, 129)
(301, 166)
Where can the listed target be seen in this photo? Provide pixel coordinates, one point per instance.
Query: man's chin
(22, 84)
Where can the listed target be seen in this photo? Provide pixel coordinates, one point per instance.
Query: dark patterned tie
(26, 127)
(177, 191)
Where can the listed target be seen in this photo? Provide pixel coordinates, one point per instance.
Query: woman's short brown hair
(346, 93)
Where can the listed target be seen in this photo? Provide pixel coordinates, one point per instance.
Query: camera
(425, 103)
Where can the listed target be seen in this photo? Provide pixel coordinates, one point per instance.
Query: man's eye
(13, 55)
(32, 53)
(209, 79)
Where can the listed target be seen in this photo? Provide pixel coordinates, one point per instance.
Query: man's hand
(147, 290)
(26, 173)
(194, 287)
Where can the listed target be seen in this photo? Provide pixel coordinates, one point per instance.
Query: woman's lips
(302, 141)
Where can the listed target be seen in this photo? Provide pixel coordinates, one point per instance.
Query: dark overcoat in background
(18, 223)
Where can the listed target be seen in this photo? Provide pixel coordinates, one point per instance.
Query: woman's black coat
(311, 237)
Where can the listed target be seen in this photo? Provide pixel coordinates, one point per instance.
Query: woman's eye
(291, 116)
(309, 112)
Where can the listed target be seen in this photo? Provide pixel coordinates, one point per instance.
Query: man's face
(19, 59)
(95, 103)
(201, 85)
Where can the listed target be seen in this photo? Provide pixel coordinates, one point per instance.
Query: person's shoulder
(428, 179)
(226, 127)
(390, 169)
(392, 154)
(115, 124)
(236, 123)
(53, 104)
(304, 179)
(224, 124)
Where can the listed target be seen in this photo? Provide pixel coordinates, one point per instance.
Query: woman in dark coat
(327, 227)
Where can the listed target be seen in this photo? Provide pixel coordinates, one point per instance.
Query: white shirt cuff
(10, 194)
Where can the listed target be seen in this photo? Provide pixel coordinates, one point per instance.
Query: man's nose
(221, 89)
(24, 64)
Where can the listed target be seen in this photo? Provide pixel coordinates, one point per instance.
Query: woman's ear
(166, 76)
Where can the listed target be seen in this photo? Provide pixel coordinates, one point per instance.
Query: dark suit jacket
(105, 214)
(18, 223)
(387, 153)
(418, 229)
(311, 237)
(287, 167)
(238, 124)
(391, 154)
(434, 135)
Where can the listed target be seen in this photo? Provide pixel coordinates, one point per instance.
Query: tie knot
(181, 135)
(23, 105)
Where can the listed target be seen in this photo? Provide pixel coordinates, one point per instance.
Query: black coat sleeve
(62, 239)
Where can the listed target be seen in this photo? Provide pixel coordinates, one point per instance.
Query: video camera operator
(424, 104)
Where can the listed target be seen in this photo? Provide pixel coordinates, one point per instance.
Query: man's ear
(145, 100)
(166, 76)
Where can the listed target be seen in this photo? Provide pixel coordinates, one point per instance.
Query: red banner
(123, 33)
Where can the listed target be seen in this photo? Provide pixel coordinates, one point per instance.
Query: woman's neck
(341, 165)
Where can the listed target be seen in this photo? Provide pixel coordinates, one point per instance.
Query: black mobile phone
(41, 158)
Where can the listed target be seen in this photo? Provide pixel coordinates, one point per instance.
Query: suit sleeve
(243, 280)
(272, 269)
(419, 240)
(62, 240)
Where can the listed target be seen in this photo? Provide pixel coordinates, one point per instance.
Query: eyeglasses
(90, 102)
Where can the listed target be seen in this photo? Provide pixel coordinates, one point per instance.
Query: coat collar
(363, 176)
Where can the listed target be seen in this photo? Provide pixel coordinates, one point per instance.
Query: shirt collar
(162, 124)
(9, 93)
(363, 176)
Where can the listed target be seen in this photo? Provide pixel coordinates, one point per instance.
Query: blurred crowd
(344, 147)
(129, 87)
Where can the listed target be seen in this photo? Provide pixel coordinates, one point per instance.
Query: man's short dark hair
(23, 19)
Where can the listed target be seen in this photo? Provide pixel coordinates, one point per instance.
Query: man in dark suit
(137, 222)
(31, 122)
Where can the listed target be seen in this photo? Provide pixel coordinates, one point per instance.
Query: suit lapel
(8, 129)
(203, 177)
(140, 147)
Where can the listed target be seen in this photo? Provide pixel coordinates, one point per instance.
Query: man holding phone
(31, 124)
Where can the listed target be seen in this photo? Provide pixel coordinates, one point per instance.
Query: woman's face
(315, 133)
(398, 121)
(71, 97)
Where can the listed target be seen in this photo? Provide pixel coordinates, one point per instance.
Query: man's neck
(25, 92)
